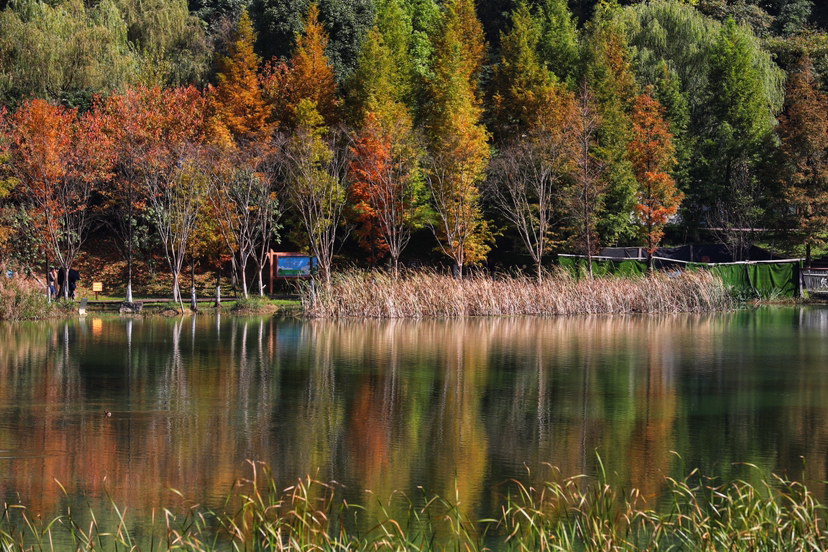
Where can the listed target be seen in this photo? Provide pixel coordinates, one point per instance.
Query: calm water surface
(398, 405)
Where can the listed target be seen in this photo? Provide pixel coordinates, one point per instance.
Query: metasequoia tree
(459, 152)
(522, 83)
(527, 177)
(59, 159)
(238, 109)
(317, 170)
(387, 189)
(652, 155)
(387, 184)
(585, 197)
(803, 130)
(614, 88)
(308, 75)
(246, 210)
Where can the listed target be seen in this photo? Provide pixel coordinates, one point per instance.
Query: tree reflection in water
(452, 406)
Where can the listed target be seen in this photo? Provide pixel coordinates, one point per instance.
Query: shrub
(250, 304)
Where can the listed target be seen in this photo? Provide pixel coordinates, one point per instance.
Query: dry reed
(22, 298)
(423, 294)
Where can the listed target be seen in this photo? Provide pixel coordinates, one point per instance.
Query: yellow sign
(97, 286)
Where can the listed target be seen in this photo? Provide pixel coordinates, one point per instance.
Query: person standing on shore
(51, 279)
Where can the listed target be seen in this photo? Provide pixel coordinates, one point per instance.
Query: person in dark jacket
(61, 280)
(74, 276)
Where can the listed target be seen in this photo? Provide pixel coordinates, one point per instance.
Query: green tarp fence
(761, 278)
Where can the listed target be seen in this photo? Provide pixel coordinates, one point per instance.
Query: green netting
(761, 278)
(734, 275)
(630, 267)
(770, 278)
(603, 267)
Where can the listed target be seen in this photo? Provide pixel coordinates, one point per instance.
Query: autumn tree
(608, 72)
(585, 197)
(136, 124)
(387, 184)
(522, 83)
(387, 189)
(246, 210)
(308, 76)
(652, 155)
(239, 111)
(59, 159)
(527, 182)
(177, 192)
(459, 152)
(175, 178)
(317, 172)
(803, 131)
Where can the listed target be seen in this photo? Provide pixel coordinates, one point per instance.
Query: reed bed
(423, 294)
(22, 298)
(576, 513)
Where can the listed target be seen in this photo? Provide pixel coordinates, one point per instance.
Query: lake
(446, 407)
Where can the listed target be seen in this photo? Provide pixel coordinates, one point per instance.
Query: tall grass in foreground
(420, 294)
(564, 514)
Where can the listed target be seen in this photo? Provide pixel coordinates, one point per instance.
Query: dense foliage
(528, 126)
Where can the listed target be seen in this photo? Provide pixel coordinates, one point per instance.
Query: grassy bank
(421, 294)
(564, 514)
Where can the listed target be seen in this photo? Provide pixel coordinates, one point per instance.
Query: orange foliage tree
(308, 76)
(239, 111)
(136, 124)
(458, 140)
(60, 158)
(174, 176)
(803, 130)
(652, 154)
(386, 185)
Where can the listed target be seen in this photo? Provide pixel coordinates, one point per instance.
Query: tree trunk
(129, 245)
(176, 289)
(193, 302)
(243, 270)
(218, 287)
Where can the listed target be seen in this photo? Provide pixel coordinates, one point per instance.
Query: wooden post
(270, 256)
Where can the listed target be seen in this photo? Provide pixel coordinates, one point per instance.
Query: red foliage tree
(60, 158)
(387, 188)
(803, 129)
(652, 154)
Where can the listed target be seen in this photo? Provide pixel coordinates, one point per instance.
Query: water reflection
(448, 405)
